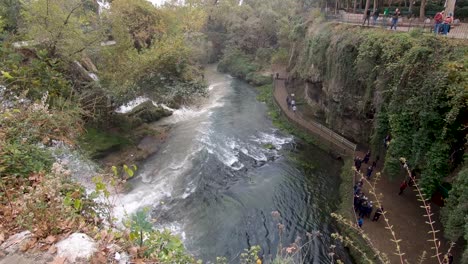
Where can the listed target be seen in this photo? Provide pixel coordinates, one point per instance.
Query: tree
(65, 27)
(422, 10)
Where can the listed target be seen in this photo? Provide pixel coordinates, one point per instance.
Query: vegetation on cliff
(411, 87)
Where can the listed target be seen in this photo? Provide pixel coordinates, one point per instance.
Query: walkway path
(341, 144)
(403, 211)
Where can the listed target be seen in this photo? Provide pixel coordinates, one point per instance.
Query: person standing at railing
(447, 23)
(438, 19)
(366, 17)
(385, 16)
(395, 17)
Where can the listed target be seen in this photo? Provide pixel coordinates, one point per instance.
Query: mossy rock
(147, 112)
(98, 143)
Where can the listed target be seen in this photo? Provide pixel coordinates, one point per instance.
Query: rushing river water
(224, 169)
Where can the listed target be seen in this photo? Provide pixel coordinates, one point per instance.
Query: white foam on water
(211, 86)
(93, 76)
(132, 104)
(276, 141)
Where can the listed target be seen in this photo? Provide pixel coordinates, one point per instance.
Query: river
(225, 168)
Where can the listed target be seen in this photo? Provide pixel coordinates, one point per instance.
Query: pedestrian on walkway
(357, 163)
(366, 17)
(369, 172)
(447, 24)
(277, 75)
(385, 17)
(438, 19)
(395, 17)
(293, 102)
(367, 157)
(403, 186)
(377, 214)
(360, 222)
(288, 101)
(375, 16)
(294, 109)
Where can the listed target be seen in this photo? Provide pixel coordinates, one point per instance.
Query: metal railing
(341, 143)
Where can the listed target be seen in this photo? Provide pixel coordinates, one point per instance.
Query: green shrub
(258, 79)
(20, 160)
(281, 56)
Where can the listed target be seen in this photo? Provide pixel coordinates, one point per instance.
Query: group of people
(375, 17)
(442, 23)
(291, 102)
(362, 206)
(358, 164)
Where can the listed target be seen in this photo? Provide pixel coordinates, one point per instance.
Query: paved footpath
(404, 211)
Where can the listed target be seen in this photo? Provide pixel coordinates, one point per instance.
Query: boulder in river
(147, 112)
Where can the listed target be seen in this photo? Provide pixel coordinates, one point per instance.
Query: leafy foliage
(412, 84)
(455, 212)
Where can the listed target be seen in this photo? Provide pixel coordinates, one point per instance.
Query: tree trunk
(375, 5)
(366, 8)
(354, 8)
(410, 9)
(422, 13)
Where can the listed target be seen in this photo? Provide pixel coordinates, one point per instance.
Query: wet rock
(88, 65)
(147, 112)
(76, 246)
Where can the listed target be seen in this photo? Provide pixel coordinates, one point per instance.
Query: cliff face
(367, 83)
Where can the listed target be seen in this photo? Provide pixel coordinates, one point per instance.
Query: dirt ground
(403, 211)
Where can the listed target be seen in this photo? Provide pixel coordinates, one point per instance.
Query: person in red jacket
(438, 19)
(403, 186)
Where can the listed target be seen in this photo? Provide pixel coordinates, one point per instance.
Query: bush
(20, 160)
(281, 56)
(258, 79)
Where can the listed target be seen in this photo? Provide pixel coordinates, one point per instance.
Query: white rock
(13, 243)
(77, 245)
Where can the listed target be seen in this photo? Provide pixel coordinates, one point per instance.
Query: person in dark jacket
(366, 17)
(375, 16)
(377, 214)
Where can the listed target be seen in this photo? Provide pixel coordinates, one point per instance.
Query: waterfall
(103, 4)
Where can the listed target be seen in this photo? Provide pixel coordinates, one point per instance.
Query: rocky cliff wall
(369, 83)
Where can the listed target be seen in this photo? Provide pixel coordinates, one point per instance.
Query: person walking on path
(403, 186)
(366, 157)
(277, 75)
(288, 101)
(377, 214)
(438, 19)
(375, 16)
(385, 17)
(360, 222)
(369, 172)
(357, 163)
(395, 17)
(366, 17)
(294, 108)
